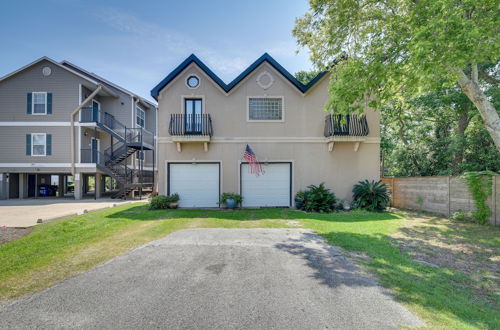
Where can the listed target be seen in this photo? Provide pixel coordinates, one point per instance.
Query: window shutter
(28, 144)
(28, 103)
(48, 143)
(49, 103)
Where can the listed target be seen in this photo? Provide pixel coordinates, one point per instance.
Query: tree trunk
(463, 123)
(486, 109)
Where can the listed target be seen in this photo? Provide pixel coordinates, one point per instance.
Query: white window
(39, 103)
(265, 109)
(38, 144)
(140, 117)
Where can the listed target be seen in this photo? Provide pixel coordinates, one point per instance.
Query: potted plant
(300, 197)
(231, 200)
(173, 201)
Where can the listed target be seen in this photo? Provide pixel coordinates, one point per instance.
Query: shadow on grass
(440, 290)
(142, 212)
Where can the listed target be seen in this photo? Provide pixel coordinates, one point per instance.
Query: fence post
(494, 195)
(449, 196)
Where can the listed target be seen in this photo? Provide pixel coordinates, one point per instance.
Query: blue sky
(136, 43)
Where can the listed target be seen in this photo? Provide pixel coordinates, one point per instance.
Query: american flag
(255, 167)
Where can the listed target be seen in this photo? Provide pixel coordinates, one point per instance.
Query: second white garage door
(273, 188)
(196, 184)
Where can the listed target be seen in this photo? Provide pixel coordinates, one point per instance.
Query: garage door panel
(270, 189)
(196, 184)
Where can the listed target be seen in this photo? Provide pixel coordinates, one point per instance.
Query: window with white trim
(140, 117)
(39, 105)
(38, 144)
(265, 108)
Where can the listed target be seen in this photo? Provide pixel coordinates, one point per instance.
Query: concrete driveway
(25, 212)
(217, 279)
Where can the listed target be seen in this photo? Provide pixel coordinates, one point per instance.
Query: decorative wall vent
(46, 71)
(265, 80)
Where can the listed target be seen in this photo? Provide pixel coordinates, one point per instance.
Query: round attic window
(46, 71)
(265, 80)
(193, 81)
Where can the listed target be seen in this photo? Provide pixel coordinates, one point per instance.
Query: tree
(396, 47)
(306, 76)
(437, 133)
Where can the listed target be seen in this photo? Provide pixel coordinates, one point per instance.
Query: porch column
(77, 179)
(3, 186)
(22, 185)
(98, 185)
(60, 186)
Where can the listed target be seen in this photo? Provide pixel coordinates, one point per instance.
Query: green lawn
(54, 251)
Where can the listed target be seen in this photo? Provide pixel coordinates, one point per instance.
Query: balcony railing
(181, 124)
(346, 125)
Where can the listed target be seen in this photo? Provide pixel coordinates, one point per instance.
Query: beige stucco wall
(299, 138)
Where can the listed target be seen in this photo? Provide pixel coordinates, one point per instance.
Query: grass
(442, 297)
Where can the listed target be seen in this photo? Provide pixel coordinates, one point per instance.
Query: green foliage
(436, 133)
(479, 184)
(159, 202)
(462, 216)
(372, 196)
(225, 196)
(300, 197)
(385, 48)
(318, 199)
(306, 76)
(173, 198)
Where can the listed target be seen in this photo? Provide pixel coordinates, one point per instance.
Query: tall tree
(405, 46)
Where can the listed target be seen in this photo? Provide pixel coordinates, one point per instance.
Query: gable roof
(93, 82)
(106, 82)
(227, 87)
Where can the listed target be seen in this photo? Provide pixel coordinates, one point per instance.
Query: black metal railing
(182, 124)
(346, 125)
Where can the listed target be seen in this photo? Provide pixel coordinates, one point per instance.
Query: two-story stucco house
(205, 125)
(69, 132)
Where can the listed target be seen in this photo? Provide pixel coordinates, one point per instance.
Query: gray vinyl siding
(14, 151)
(62, 84)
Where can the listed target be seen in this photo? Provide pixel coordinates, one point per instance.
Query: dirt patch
(11, 234)
(468, 248)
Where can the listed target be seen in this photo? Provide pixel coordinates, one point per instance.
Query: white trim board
(40, 123)
(46, 165)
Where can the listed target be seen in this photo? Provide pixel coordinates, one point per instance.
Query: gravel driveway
(217, 279)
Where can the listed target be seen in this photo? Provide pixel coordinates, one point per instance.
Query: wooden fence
(440, 194)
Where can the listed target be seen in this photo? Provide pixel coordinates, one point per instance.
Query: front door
(96, 146)
(193, 111)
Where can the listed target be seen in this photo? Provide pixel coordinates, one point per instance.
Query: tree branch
(488, 78)
(474, 74)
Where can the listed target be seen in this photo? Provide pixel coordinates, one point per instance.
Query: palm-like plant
(372, 196)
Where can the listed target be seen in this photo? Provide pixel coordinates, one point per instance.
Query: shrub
(225, 196)
(372, 196)
(159, 202)
(318, 199)
(154, 193)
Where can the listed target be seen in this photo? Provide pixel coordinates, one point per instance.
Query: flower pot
(173, 205)
(230, 203)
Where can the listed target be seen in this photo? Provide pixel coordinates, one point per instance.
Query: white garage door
(196, 184)
(270, 189)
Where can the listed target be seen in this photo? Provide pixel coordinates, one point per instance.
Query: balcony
(190, 129)
(345, 128)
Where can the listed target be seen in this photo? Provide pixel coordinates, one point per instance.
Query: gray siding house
(69, 132)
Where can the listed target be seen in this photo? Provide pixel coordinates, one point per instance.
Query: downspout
(87, 100)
